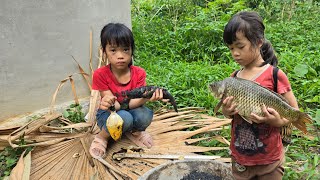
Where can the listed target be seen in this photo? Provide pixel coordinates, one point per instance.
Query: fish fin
(215, 111)
(246, 119)
(301, 123)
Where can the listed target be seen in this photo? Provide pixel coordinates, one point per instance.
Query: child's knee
(143, 119)
(142, 124)
(127, 124)
(101, 117)
(146, 117)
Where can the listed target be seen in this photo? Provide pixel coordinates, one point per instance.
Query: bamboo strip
(90, 53)
(76, 100)
(171, 128)
(84, 74)
(45, 128)
(31, 126)
(170, 114)
(86, 150)
(191, 141)
(111, 167)
(78, 172)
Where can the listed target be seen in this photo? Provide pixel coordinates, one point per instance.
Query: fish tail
(167, 95)
(173, 102)
(301, 122)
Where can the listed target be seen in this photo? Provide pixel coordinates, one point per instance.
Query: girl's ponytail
(268, 54)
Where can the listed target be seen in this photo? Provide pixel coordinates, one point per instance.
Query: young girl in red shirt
(120, 75)
(256, 149)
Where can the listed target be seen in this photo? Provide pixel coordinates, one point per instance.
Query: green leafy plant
(74, 113)
(10, 156)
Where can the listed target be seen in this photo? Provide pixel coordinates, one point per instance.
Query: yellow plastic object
(114, 125)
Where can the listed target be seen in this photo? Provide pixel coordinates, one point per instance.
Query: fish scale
(250, 96)
(250, 101)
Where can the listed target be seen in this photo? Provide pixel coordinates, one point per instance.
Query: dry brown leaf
(90, 54)
(22, 169)
(72, 154)
(93, 106)
(31, 127)
(45, 128)
(84, 74)
(61, 85)
(76, 100)
(27, 167)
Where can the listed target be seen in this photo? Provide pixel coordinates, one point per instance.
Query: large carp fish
(250, 96)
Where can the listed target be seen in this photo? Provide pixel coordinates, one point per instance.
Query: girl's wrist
(276, 123)
(124, 105)
(112, 108)
(229, 116)
(115, 107)
(226, 114)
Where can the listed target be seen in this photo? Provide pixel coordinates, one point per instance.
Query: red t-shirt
(103, 80)
(258, 144)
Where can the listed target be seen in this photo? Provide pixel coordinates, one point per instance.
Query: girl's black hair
(117, 34)
(251, 25)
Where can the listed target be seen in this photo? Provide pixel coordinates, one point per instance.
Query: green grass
(179, 43)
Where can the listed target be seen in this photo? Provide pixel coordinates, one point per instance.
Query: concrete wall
(37, 39)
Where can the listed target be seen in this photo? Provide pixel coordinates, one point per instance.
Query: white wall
(37, 39)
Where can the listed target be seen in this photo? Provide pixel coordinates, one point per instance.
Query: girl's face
(243, 52)
(119, 57)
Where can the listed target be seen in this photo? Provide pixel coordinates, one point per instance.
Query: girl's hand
(271, 117)
(228, 107)
(158, 95)
(107, 101)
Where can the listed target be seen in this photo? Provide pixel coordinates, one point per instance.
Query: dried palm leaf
(84, 74)
(45, 128)
(66, 160)
(22, 170)
(62, 82)
(68, 157)
(90, 53)
(94, 104)
(30, 127)
(38, 133)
